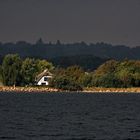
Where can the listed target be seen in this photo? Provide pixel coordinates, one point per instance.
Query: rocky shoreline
(27, 89)
(86, 90)
(112, 90)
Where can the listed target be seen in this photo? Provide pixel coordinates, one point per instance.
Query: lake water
(74, 116)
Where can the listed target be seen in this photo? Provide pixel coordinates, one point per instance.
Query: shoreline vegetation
(50, 90)
(17, 74)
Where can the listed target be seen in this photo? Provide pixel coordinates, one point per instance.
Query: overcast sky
(110, 21)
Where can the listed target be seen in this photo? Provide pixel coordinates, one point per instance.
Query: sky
(111, 21)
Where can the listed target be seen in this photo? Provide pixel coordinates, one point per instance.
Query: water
(76, 116)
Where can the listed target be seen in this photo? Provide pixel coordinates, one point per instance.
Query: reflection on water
(76, 116)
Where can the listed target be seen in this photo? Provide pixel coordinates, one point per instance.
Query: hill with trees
(88, 56)
(49, 50)
(87, 62)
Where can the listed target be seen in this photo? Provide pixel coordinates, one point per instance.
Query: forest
(51, 50)
(17, 71)
(88, 56)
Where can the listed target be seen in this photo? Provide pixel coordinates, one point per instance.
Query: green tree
(136, 79)
(104, 76)
(0, 72)
(86, 79)
(11, 66)
(125, 77)
(44, 64)
(108, 67)
(128, 73)
(75, 73)
(68, 79)
(65, 83)
(29, 71)
(106, 80)
(1, 77)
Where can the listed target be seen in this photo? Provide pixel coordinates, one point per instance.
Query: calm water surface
(76, 116)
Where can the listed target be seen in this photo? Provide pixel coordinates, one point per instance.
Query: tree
(40, 42)
(1, 77)
(68, 79)
(58, 42)
(29, 70)
(118, 74)
(43, 64)
(136, 79)
(86, 80)
(65, 83)
(125, 77)
(128, 73)
(104, 76)
(11, 69)
(108, 67)
(75, 73)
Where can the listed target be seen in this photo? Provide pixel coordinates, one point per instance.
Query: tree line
(50, 50)
(112, 73)
(21, 72)
(119, 74)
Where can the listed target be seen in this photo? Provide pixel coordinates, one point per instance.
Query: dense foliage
(50, 50)
(68, 79)
(118, 74)
(11, 66)
(110, 74)
(15, 71)
(88, 56)
(87, 62)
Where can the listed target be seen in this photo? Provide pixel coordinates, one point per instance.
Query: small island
(39, 75)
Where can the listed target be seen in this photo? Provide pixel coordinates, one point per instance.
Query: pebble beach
(85, 90)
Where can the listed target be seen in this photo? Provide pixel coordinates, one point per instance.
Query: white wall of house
(44, 80)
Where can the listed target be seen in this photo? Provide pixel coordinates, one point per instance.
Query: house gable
(44, 80)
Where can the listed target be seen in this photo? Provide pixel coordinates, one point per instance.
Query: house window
(43, 84)
(45, 78)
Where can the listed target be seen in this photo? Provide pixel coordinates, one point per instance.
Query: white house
(43, 78)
